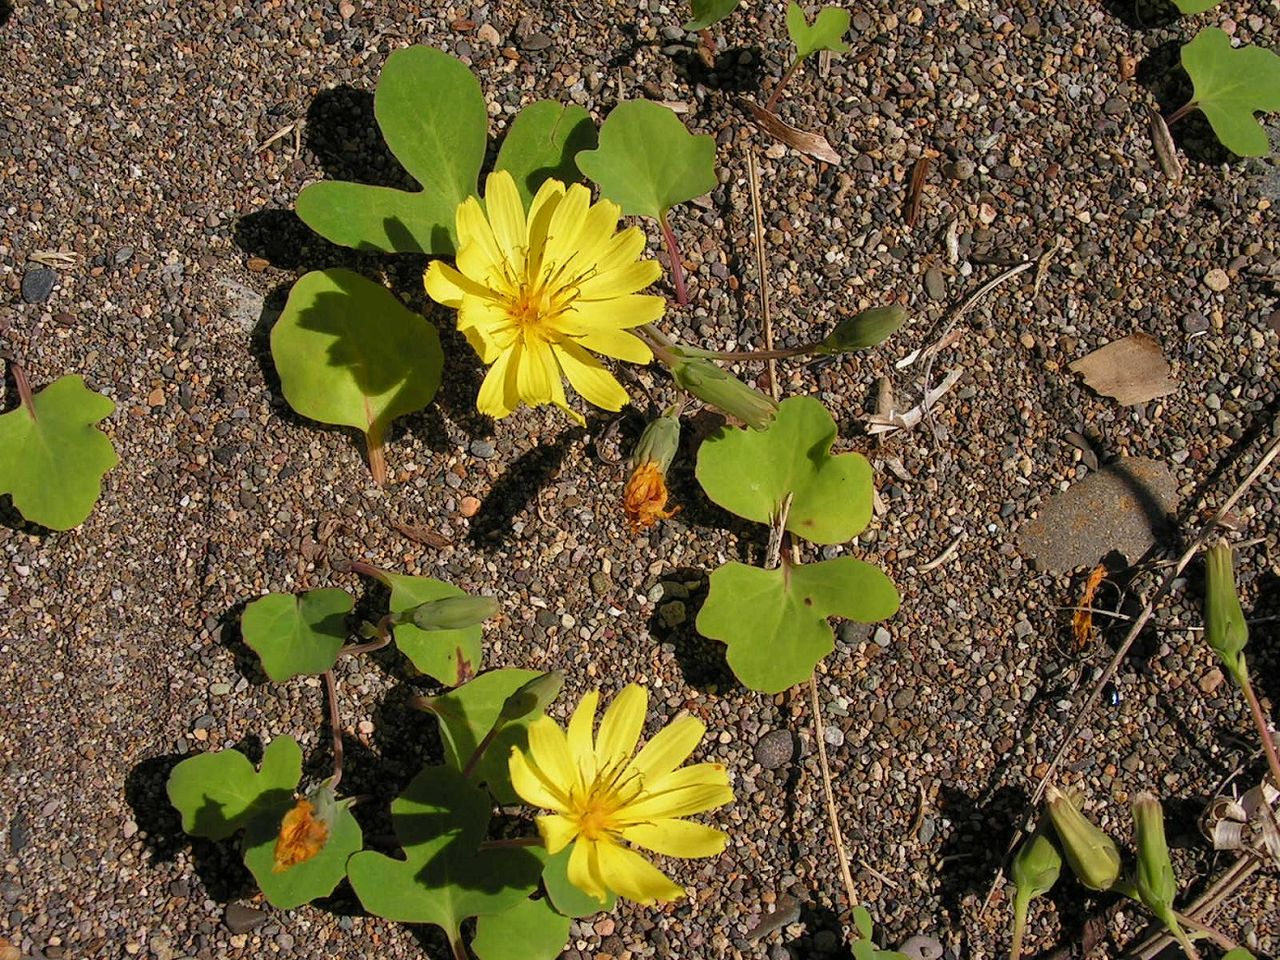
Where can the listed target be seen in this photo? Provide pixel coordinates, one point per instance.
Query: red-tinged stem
(25, 397)
(381, 640)
(1181, 112)
(1264, 729)
(677, 268)
(777, 91)
(478, 753)
(377, 455)
(335, 727)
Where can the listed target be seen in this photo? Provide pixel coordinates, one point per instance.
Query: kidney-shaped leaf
(1231, 84)
(1189, 7)
(52, 457)
(218, 793)
(647, 161)
(707, 12)
(293, 635)
(750, 473)
(349, 353)
(432, 115)
(466, 716)
(445, 877)
(531, 930)
(825, 33)
(310, 879)
(774, 622)
(450, 656)
(567, 898)
(541, 144)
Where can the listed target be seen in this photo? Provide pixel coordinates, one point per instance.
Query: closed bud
(660, 441)
(1225, 629)
(531, 696)
(1092, 855)
(715, 386)
(1034, 870)
(863, 330)
(1154, 878)
(452, 613)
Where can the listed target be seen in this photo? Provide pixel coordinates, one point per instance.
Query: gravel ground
(130, 136)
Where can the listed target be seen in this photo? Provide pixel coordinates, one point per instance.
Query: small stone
(257, 264)
(1195, 322)
(881, 637)
(469, 506)
(129, 830)
(241, 919)
(601, 583)
(1211, 681)
(775, 749)
(123, 255)
(904, 698)
(604, 926)
(673, 614)
(922, 948)
(37, 284)
(1131, 763)
(834, 736)
(346, 10)
(219, 689)
(8, 951)
(536, 41)
(156, 397)
(1114, 107)
(961, 169)
(934, 284)
(365, 727)
(483, 449)
(488, 35)
(1217, 280)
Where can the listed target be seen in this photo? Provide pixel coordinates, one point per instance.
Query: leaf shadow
(1162, 75)
(246, 660)
(702, 661)
(735, 70)
(974, 847)
(519, 486)
(1143, 15)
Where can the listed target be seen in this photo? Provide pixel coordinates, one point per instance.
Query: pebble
(921, 948)
(1195, 322)
(775, 749)
(1211, 681)
(673, 614)
(123, 255)
(934, 284)
(535, 42)
(833, 735)
(483, 449)
(961, 169)
(1217, 280)
(242, 919)
(469, 506)
(37, 284)
(881, 637)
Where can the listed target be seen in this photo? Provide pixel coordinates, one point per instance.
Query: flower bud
(1154, 879)
(863, 330)
(722, 390)
(1092, 855)
(1225, 629)
(1034, 870)
(452, 613)
(531, 696)
(660, 440)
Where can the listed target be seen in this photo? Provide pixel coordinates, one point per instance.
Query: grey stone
(1195, 322)
(775, 749)
(536, 41)
(242, 919)
(483, 449)
(922, 948)
(934, 284)
(37, 284)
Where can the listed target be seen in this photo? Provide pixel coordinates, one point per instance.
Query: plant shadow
(1143, 15)
(702, 660)
(735, 70)
(517, 488)
(1162, 75)
(974, 847)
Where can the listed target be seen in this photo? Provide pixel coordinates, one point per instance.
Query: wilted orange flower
(645, 498)
(302, 836)
(1082, 622)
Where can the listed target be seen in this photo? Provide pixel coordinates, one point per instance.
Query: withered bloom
(645, 497)
(302, 836)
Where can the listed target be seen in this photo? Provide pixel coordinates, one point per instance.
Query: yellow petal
(593, 240)
(558, 832)
(616, 313)
(623, 248)
(566, 224)
(532, 786)
(541, 210)
(618, 344)
(620, 728)
(630, 875)
(478, 254)
(581, 743)
(538, 374)
(490, 322)
(506, 216)
(690, 790)
(669, 748)
(677, 838)
(447, 286)
(583, 870)
(592, 381)
(616, 283)
(550, 753)
(498, 396)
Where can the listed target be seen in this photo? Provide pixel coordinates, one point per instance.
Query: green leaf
(445, 878)
(1239, 953)
(293, 635)
(750, 473)
(432, 115)
(468, 713)
(531, 930)
(1189, 7)
(774, 622)
(350, 353)
(647, 161)
(52, 457)
(218, 793)
(542, 143)
(450, 656)
(825, 34)
(567, 898)
(707, 12)
(1230, 86)
(311, 879)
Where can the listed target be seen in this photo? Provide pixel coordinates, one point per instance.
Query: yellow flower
(606, 800)
(645, 497)
(536, 292)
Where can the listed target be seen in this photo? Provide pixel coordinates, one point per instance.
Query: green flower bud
(660, 441)
(1225, 629)
(1092, 855)
(534, 695)
(722, 390)
(451, 613)
(1034, 870)
(863, 330)
(1156, 885)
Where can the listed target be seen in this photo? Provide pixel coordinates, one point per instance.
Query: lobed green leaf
(567, 898)
(1231, 84)
(707, 12)
(311, 879)
(450, 656)
(542, 144)
(831, 24)
(295, 635)
(530, 930)
(53, 457)
(218, 793)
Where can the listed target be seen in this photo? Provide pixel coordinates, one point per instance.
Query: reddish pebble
(470, 506)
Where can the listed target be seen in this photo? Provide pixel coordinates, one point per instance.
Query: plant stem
(481, 747)
(25, 398)
(760, 355)
(377, 455)
(1264, 729)
(383, 638)
(457, 946)
(1181, 112)
(1021, 901)
(777, 91)
(658, 342)
(335, 727)
(677, 268)
(1217, 936)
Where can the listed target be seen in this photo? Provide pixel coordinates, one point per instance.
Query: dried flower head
(302, 835)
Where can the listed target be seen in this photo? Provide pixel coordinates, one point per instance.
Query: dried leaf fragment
(1162, 141)
(1131, 370)
(1082, 622)
(812, 144)
(915, 191)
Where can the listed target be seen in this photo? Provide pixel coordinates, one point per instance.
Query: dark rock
(536, 41)
(934, 284)
(37, 284)
(242, 919)
(775, 749)
(1195, 322)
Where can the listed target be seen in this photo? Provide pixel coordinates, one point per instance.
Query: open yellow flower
(538, 291)
(606, 800)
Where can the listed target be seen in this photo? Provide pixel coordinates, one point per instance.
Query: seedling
(1231, 84)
